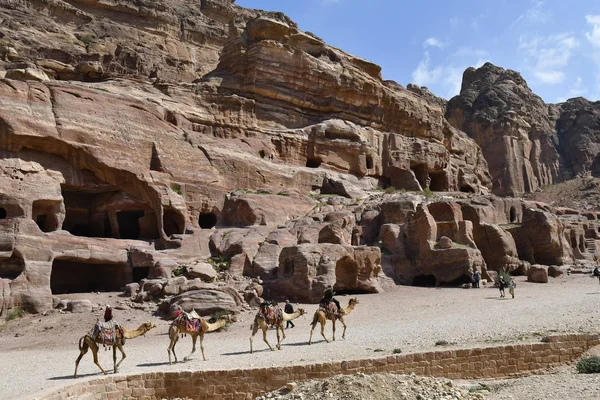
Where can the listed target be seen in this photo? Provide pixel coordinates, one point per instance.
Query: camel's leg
(264, 331)
(333, 329)
(194, 337)
(123, 355)
(323, 322)
(174, 336)
(314, 324)
(94, 348)
(343, 323)
(278, 338)
(254, 330)
(282, 327)
(83, 348)
(202, 345)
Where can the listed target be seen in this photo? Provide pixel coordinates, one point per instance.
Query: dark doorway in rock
(467, 189)
(2, 212)
(513, 215)
(82, 276)
(313, 162)
(129, 223)
(424, 281)
(11, 267)
(439, 181)
(140, 273)
(207, 220)
(173, 222)
(458, 282)
(45, 213)
(155, 164)
(369, 162)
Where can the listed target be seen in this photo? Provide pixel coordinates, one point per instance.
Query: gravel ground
(38, 352)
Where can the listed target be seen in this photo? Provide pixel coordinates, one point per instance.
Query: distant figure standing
(501, 286)
(476, 279)
(511, 287)
(289, 309)
(596, 273)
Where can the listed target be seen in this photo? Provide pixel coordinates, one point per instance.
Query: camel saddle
(107, 331)
(271, 313)
(190, 322)
(330, 310)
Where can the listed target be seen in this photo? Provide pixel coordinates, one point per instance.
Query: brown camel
(87, 342)
(260, 321)
(322, 318)
(203, 327)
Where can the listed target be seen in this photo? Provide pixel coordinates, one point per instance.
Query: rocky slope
(139, 139)
(527, 143)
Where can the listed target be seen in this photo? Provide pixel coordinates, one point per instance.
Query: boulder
(537, 274)
(202, 270)
(174, 286)
(79, 306)
(555, 271)
(205, 302)
(131, 289)
(444, 243)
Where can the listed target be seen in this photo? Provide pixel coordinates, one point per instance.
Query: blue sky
(554, 44)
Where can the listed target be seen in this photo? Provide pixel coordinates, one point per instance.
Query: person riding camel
(328, 294)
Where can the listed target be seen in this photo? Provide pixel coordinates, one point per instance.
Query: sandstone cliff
(527, 143)
(138, 139)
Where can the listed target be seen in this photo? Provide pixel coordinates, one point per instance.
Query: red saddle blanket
(189, 325)
(107, 332)
(330, 310)
(273, 315)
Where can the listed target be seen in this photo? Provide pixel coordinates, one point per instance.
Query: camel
(263, 324)
(203, 327)
(88, 342)
(322, 318)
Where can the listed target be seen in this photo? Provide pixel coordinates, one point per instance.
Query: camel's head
(148, 325)
(301, 311)
(353, 301)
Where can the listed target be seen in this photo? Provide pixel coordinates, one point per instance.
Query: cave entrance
(83, 276)
(313, 162)
(2, 213)
(513, 215)
(129, 223)
(140, 273)
(207, 220)
(173, 222)
(86, 214)
(424, 281)
(439, 181)
(11, 267)
(45, 214)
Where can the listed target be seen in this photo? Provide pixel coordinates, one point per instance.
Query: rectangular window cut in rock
(84, 276)
(45, 214)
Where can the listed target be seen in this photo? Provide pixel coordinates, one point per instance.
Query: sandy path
(416, 319)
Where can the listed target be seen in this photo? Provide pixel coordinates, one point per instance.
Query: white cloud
(594, 36)
(576, 90)
(547, 57)
(433, 42)
(537, 14)
(447, 76)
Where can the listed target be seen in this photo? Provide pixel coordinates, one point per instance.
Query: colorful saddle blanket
(272, 314)
(107, 331)
(330, 310)
(189, 325)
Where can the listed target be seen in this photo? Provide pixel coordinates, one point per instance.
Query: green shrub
(390, 189)
(589, 365)
(15, 313)
(176, 190)
(86, 38)
(427, 192)
(220, 264)
(397, 351)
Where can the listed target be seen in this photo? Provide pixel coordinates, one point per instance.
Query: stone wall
(476, 363)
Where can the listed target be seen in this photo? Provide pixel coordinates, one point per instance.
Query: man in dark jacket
(596, 273)
(289, 309)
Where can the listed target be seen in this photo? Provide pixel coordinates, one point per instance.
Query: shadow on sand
(61, 378)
